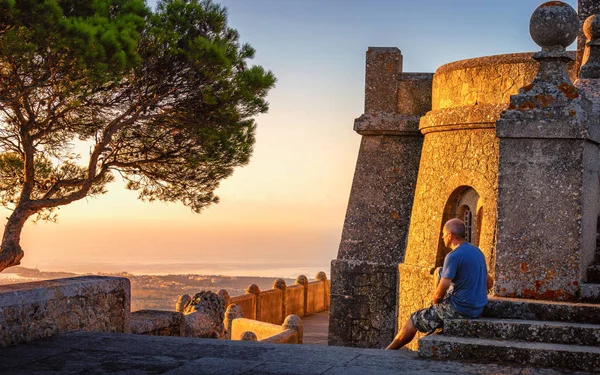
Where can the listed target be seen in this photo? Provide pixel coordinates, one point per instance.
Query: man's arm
(489, 282)
(441, 289)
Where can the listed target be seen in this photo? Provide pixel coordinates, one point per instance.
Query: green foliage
(165, 99)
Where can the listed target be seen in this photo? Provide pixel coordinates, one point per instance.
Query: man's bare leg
(406, 334)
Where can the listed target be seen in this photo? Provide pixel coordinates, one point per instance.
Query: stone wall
(273, 305)
(294, 300)
(248, 304)
(317, 295)
(32, 311)
(270, 306)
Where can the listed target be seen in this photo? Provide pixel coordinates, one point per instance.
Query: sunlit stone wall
(460, 152)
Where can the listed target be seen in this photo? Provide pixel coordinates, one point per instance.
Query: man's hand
(441, 290)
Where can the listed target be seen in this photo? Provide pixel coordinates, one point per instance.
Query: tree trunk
(10, 250)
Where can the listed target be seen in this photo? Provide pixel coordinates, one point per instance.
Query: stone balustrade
(270, 307)
(35, 310)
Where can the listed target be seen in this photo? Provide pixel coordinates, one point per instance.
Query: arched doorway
(464, 203)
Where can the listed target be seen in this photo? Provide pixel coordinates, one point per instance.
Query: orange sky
(286, 207)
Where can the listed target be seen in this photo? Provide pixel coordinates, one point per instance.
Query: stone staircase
(540, 333)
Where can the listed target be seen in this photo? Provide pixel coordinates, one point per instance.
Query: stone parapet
(247, 303)
(31, 311)
(484, 80)
(414, 93)
(270, 306)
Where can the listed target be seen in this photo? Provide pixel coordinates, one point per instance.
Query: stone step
(583, 358)
(518, 308)
(594, 273)
(590, 292)
(528, 330)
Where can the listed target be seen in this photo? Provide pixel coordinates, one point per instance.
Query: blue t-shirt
(465, 265)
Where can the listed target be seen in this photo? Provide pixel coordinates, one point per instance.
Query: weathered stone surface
(532, 330)
(590, 293)
(157, 323)
(488, 80)
(547, 176)
(200, 324)
(519, 308)
(31, 311)
(363, 304)
(212, 313)
(554, 23)
(381, 199)
(247, 303)
(294, 300)
(414, 93)
(586, 358)
(233, 312)
(381, 79)
(270, 302)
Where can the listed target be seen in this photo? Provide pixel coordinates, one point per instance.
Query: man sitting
(462, 289)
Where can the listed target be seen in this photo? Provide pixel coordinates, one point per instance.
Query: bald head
(456, 227)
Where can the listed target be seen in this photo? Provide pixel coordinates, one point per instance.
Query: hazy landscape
(155, 292)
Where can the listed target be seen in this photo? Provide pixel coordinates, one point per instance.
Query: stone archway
(464, 203)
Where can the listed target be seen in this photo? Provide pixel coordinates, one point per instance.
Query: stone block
(157, 323)
(31, 311)
(518, 308)
(585, 358)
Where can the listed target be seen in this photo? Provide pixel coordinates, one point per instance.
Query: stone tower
(508, 144)
(365, 276)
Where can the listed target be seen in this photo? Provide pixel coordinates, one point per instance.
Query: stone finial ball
(224, 294)
(279, 284)
(321, 276)
(591, 27)
(554, 23)
(302, 280)
(253, 289)
(249, 336)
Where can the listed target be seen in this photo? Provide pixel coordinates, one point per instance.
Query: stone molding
(461, 118)
(387, 124)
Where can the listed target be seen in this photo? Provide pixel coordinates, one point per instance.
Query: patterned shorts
(429, 319)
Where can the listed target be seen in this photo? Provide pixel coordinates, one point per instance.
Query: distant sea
(264, 269)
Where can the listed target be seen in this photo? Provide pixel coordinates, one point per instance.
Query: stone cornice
(461, 118)
(387, 124)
